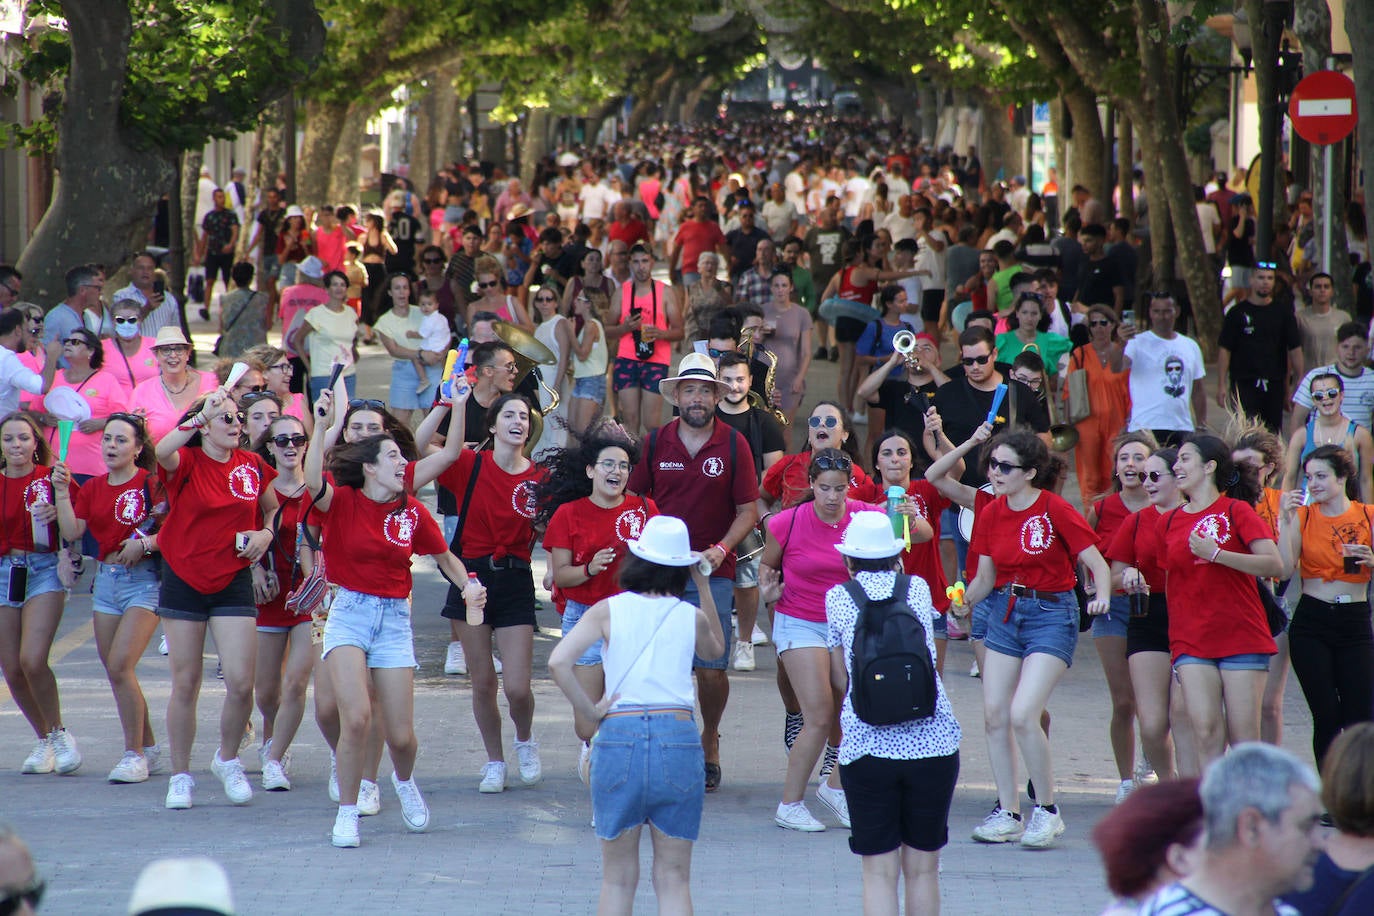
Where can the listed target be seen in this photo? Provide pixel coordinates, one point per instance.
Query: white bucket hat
(311, 267)
(695, 367)
(197, 884)
(869, 537)
(664, 541)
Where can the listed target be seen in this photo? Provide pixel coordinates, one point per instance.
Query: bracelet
(587, 568)
(721, 547)
(147, 546)
(1215, 554)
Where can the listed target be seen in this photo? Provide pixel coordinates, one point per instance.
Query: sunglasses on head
(1330, 394)
(826, 463)
(367, 404)
(14, 898)
(976, 360)
(1156, 476)
(283, 440)
(1004, 467)
(252, 397)
(135, 420)
(827, 422)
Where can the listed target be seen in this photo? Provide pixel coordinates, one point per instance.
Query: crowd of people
(677, 292)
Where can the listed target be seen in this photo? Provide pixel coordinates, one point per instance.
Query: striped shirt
(1358, 404)
(1177, 900)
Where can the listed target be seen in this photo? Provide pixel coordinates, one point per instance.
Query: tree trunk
(534, 144)
(323, 127)
(1359, 26)
(186, 201)
(1125, 160)
(691, 103)
(1087, 149)
(1266, 85)
(343, 167)
(647, 103)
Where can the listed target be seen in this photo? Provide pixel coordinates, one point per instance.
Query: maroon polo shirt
(702, 489)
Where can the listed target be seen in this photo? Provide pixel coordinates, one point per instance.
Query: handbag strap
(456, 545)
(642, 649)
(1339, 903)
(239, 314)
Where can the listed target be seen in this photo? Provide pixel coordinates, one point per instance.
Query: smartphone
(18, 587)
(1128, 316)
(241, 541)
(159, 286)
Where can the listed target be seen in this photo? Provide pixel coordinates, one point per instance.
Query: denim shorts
(118, 588)
(1247, 661)
(978, 621)
(42, 576)
(648, 769)
(723, 591)
(572, 613)
(271, 267)
(1048, 626)
(379, 626)
(747, 572)
(590, 388)
(1114, 622)
(794, 633)
(940, 624)
(401, 395)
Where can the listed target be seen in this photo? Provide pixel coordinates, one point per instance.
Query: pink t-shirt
(295, 407)
(296, 300)
(329, 246)
(130, 371)
(34, 362)
(103, 392)
(811, 565)
(150, 399)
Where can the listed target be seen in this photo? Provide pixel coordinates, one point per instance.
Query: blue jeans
(648, 768)
(1113, 623)
(42, 576)
(723, 591)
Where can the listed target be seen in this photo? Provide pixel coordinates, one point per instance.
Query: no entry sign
(1322, 107)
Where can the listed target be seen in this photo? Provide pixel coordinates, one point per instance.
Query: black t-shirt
(964, 408)
(407, 232)
(742, 245)
(270, 221)
(1096, 280)
(1127, 260)
(824, 245)
(1240, 252)
(906, 405)
(1071, 260)
(760, 429)
(1259, 338)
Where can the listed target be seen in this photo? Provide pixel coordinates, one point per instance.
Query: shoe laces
(492, 769)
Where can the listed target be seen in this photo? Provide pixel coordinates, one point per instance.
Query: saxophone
(749, 347)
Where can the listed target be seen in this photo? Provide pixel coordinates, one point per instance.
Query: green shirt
(1003, 280)
(1051, 347)
(806, 290)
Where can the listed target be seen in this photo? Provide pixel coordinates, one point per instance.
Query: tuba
(752, 350)
(529, 353)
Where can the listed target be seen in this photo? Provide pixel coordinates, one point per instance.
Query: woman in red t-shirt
(282, 634)
(214, 532)
(32, 606)
(496, 537)
(1213, 548)
(1027, 541)
(785, 483)
(1138, 569)
(590, 519)
(371, 528)
(1129, 454)
(119, 510)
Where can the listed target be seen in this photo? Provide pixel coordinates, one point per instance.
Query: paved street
(528, 850)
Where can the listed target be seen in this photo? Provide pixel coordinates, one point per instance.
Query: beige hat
(170, 336)
(518, 210)
(191, 884)
(694, 367)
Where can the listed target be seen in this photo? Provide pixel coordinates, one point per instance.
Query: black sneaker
(791, 728)
(834, 354)
(821, 353)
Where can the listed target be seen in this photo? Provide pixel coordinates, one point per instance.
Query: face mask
(126, 330)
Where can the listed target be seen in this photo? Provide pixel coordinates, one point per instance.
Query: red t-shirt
(788, 482)
(17, 496)
(697, 237)
(1111, 513)
(629, 233)
(702, 489)
(113, 514)
(210, 501)
(1214, 611)
(924, 559)
(368, 544)
(283, 560)
(1136, 543)
(500, 520)
(981, 499)
(1035, 547)
(583, 527)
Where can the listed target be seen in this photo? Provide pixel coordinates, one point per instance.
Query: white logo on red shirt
(713, 467)
(522, 498)
(38, 491)
(1037, 534)
(399, 527)
(128, 507)
(629, 524)
(922, 511)
(1214, 527)
(244, 482)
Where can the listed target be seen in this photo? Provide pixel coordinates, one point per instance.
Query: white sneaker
(496, 662)
(230, 773)
(264, 751)
(414, 811)
(132, 767)
(1144, 773)
(66, 756)
(796, 817)
(531, 771)
(584, 764)
(153, 755)
(758, 637)
(162, 645)
(858, 418)
(40, 759)
(1044, 828)
(1124, 790)
(179, 791)
(369, 798)
(345, 834)
(973, 669)
(333, 779)
(274, 778)
(455, 662)
(999, 827)
(835, 800)
(744, 656)
(493, 777)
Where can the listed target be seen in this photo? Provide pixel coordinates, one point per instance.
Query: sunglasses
(126, 321)
(432, 260)
(1003, 467)
(252, 397)
(1329, 394)
(976, 360)
(826, 463)
(76, 342)
(716, 354)
(31, 893)
(481, 285)
(1267, 265)
(366, 404)
(296, 439)
(1156, 476)
(1100, 323)
(827, 422)
(545, 299)
(256, 389)
(133, 419)
(232, 419)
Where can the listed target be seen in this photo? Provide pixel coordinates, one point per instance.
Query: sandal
(712, 777)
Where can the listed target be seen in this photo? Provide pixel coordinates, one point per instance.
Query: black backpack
(893, 677)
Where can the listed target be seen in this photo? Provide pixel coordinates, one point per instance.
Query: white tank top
(662, 674)
(595, 363)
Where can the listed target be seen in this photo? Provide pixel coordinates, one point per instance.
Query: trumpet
(904, 342)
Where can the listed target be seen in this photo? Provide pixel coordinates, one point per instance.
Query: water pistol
(455, 380)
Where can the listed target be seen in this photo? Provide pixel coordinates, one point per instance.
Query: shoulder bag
(1080, 404)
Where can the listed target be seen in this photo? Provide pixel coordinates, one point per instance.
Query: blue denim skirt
(648, 768)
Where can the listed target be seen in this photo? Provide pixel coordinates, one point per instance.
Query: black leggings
(1332, 648)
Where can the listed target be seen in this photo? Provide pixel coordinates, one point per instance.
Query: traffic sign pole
(1323, 111)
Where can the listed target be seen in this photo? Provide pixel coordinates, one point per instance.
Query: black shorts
(1151, 632)
(893, 803)
(848, 330)
(179, 601)
(218, 265)
(510, 596)
(931, 300)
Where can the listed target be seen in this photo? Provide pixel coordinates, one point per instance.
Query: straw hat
(694, 367)
(664, 541)
(170, 336)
